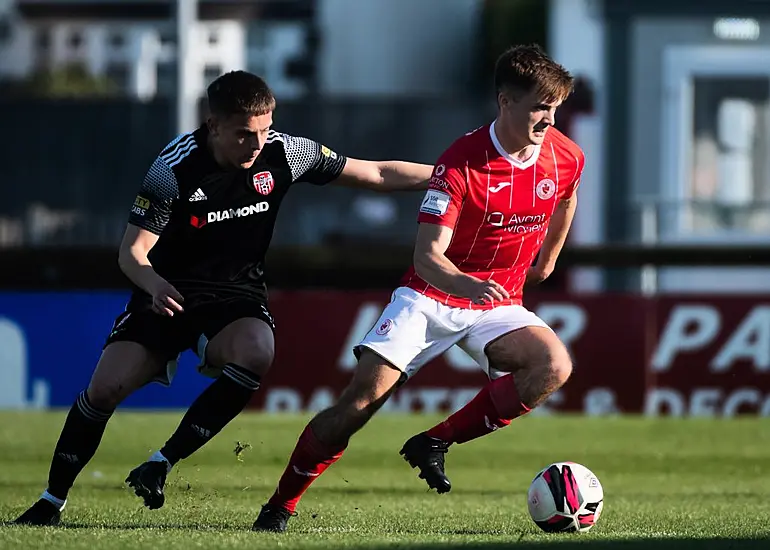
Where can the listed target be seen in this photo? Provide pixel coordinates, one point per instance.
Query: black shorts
(171, 336)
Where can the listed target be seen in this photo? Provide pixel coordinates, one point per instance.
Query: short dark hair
(240, 93)
(527, 68)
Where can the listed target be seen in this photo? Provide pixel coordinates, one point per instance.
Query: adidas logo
(202, 432)
(72, 459)
(198, 196)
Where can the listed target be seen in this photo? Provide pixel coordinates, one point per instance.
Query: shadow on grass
(182, 486)
(520, 542)
(134, 526)
(572, 542)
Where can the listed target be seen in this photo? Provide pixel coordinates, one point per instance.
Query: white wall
(140, 52)
(576, 40)
(16, 56)
(396, 47)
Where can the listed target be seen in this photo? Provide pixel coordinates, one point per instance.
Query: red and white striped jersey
(498, 207)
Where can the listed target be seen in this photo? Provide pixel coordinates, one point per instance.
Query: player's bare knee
(538, 382)
(254, 358)
(106, 396)
(559, 367)
(246, 342)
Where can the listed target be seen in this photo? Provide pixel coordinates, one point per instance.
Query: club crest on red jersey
(384, 327)
(545, 189)
(263, 182)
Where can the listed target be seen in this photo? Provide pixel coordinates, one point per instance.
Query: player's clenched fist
(166, 300)
(485, 292)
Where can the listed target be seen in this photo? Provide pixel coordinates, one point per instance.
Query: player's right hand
(166, 300)
(486, 292)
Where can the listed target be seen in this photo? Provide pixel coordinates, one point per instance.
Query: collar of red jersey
(506, 155)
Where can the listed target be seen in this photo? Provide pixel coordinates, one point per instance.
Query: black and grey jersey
(215, 225)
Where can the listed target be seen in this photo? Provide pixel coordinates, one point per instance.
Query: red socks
(308, 461)
(493, 407)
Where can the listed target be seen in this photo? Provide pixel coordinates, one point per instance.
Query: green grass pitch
(669, 484)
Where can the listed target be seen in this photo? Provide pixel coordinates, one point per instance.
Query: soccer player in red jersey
(498, 196)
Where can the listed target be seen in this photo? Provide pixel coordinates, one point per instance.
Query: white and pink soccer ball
(565, 497)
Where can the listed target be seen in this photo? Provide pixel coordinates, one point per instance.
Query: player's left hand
(538, 273)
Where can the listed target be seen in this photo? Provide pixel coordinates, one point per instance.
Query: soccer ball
(565, 497)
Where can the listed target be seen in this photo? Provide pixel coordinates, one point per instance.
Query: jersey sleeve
(312, 162)
(152, 206)
(580, 160)
(446, 192)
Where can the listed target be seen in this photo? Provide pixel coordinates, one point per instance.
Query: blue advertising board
(50, 343)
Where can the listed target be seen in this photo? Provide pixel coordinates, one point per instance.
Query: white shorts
(414, 329)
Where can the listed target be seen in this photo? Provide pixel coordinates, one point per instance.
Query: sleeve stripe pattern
(302, 155)
(161, 189)
(308, 160)
(174, 155)
(272, 136)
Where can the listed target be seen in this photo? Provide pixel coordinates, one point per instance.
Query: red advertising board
(664, 356)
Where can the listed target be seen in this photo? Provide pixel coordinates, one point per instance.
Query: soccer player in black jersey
(193, 250)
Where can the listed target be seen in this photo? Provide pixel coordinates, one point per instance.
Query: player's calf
(247, 339)
(122, 368)
(326, 436)
(479, 417)
(372, 384)
(222, 401)
(540, 365)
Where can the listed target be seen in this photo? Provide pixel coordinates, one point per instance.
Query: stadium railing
(343, 266)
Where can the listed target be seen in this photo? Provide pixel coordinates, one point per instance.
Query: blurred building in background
(678, 145)
(375, 79)
(133, 43)
(671, 107)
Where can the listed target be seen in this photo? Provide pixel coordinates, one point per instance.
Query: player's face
(238, 139)
(526, 116)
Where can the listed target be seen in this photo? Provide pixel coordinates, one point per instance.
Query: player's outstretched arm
(432, 265)
(558, 229)
(314, 163)
(391, 175)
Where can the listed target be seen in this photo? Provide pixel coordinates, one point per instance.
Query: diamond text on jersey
(229, 214)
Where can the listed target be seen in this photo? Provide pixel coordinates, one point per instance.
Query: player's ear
(502, 100)
(213, 125)
(507, 97)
